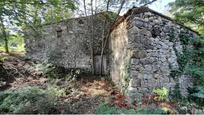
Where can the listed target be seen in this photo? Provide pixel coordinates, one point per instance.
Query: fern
(199, 92)
(105, 108)
(163, 93)
(30, 100)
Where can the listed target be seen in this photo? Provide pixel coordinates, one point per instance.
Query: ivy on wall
(191, 62)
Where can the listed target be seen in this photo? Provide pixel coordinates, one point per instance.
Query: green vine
(191, 62)
(183, 58)
(126, 74)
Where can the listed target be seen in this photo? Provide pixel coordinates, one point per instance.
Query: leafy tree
(189, 12)
(14, 14)
(11, 15)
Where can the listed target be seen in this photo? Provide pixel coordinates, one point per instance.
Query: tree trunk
(85, 7)
(109, 32)
(92, 37)
(5, 36)
(104, 27)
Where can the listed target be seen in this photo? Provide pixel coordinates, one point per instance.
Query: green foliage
(16, 43)
(58, 10)
(199, 92)
(175, 73)
(30, 100)
(184, 39)
(197, 95)
(55, 91)
(54, 72)
(125, 73)
(44, 68)
(3, 58)
(105, 108)
(175, 94)
(184, 58)
(163, 93)
(110, 16)
(192, 62)
(21, 14)
(151, 111)
(198, 72)
(189, 12)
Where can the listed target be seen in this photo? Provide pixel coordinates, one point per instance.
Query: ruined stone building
(140, 55)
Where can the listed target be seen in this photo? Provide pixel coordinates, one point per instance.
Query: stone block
(138, 54)
(134, 82)
(134, 61)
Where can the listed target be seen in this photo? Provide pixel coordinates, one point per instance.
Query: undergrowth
(191, 62)
(196, 69)
(30, 100)
(106, 108)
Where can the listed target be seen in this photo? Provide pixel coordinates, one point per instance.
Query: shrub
(3, 58)
(196, 70)
(56, 91)
(151, 111)
(54, 72)
(29, 100)
(44, 68)
(105, 108)
(197, 94)
(162, 93)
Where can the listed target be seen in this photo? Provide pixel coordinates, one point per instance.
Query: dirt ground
(84, 94)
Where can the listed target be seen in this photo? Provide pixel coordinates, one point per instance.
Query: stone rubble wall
(69, 43)
(154, 43)
(142, 52)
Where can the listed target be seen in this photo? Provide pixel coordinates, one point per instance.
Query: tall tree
(4, 35)
(189, 12)
(17, 13)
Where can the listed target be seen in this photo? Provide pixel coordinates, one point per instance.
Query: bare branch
(85, 7)
(109, 32)
(107, 7)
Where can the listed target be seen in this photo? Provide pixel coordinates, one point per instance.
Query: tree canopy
(15, 14)
(189, 12)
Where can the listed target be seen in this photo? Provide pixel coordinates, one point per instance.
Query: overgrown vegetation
(162, 93)
(191, 63)
(15, 44)
(106, 108)
(196, 69)
(21, 14)
(190, 13)
(30, 100)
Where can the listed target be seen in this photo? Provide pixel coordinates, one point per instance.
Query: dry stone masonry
(145, 47)
(141, 54)
(70, 43)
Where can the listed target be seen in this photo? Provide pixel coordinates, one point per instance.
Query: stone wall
(142, 53)
(154, 43)
(120, 56)
(69, 43)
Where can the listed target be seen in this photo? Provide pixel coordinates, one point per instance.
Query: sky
(161, 5)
